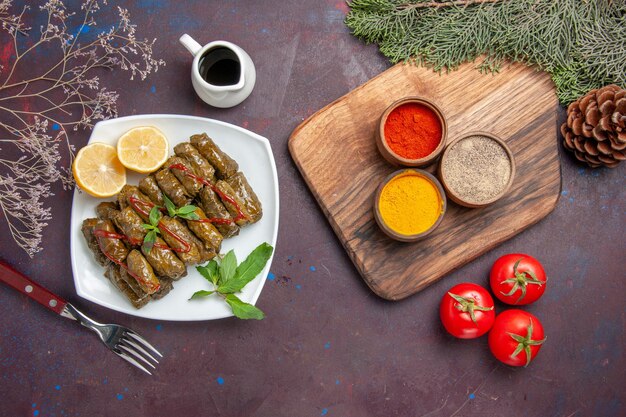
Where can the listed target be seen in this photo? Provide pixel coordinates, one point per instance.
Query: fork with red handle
(120, 340)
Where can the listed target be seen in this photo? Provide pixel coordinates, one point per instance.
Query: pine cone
(596, 127)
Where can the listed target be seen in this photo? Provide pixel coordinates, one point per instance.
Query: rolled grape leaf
(224, 165)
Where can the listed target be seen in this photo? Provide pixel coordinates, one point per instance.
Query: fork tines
(136, 350)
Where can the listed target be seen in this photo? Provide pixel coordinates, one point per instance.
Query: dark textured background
(328, 347)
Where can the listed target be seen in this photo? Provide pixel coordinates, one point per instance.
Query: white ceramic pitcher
(220, 95)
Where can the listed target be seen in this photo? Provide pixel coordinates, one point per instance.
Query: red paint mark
(245, 124)
(342, 6)
(262, 124)
(5, 54)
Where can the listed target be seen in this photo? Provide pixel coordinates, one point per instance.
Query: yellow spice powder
(410, 204)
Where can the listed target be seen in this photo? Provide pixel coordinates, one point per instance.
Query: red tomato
(517, 279)
(466, 311)
(516, 337)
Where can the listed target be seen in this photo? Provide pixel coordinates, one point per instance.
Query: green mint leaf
(171, 208)
(189, 216)
(148, 241)
(243, 310)
(155, 216)
(210, 271)
(228, 267)
(186, 209)
(147, 226)
(200, 294)
(248, 269)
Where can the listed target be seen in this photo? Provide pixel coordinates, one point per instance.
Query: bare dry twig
(38, 111)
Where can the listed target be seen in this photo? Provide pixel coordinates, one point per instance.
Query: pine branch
(581, 44)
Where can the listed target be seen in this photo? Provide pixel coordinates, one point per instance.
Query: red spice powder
(412, 131)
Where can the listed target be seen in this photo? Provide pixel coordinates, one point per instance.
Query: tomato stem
(525, 342)
(468, 305)
(520, 281)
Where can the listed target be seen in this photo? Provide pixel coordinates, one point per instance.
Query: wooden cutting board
(336, 153)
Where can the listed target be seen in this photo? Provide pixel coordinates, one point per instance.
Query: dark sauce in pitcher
(220, 66)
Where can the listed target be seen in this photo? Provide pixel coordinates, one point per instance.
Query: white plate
(254, 156)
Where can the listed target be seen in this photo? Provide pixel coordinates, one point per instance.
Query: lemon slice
(97, 170)
(143, 149)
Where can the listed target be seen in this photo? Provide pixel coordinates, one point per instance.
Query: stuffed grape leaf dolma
(233, 203)
(140, 269)
(92, 242)
(224, 165)
(113, 273)
(166, 287)
(132, 282)
(215, 210)
(181, 168)
(150, 188)
(172, 188)
(129, 223)
(205, 231)
(103, 210)
(251, 203)
(187, 247)
(201, 167)
(164, 262)
(113, 270)
(109, 242)
(131, 196)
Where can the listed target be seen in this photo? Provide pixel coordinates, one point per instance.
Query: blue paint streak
(220, 380)
(271, 276)
(36, 413)
(337, 382)
(57, 387)
(264, 30)
(105, 381)
(78, 30)
(312, 268)
(327, 345)
(34, 405)
(324, 412)
(159, 327)
(298, 287)
(571, 199)
(120, 396)
(153, 89)
(564, 192)
(126, 389)
(472, 396)
(56, 126)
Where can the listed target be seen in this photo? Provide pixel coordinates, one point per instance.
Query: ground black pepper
(476, 169)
